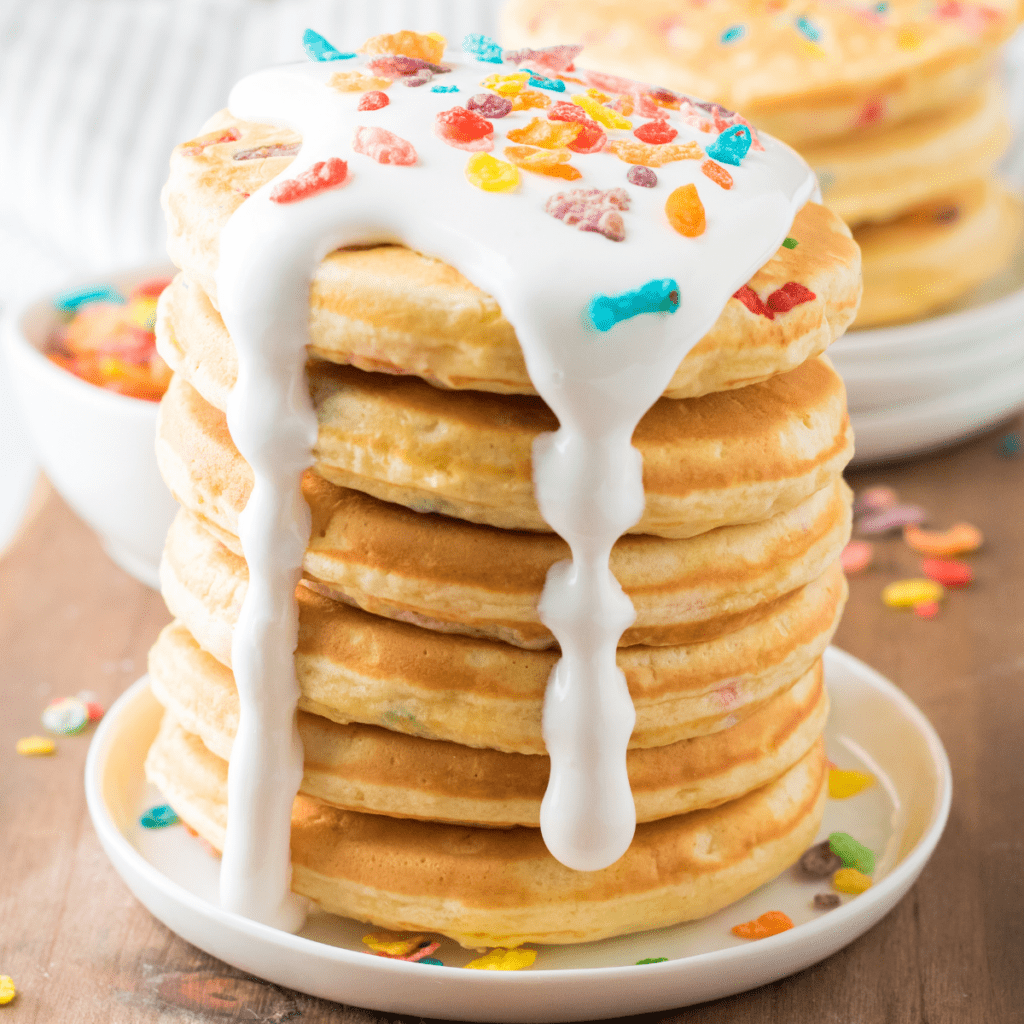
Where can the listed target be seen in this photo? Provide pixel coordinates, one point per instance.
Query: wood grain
(83, 951)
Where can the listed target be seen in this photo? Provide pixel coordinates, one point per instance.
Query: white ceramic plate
(873, 726)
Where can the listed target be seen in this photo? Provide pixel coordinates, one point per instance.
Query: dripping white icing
(588, 477)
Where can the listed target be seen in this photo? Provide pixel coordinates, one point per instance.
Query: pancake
(498, 887)
(875, 174)
(392, 310)
(439, 573)
(721, 460)
(802, 72)
(352, 666)
(379, 771)
(922, 261)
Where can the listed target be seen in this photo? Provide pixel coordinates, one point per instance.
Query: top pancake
(389, 309)
(802, 71)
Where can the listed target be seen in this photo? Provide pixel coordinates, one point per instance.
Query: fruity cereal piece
(654, 156)
(65, 716)
(908, 593)
(530, 99)
(268, 152)
(606, 311)
(491, 174)
(642, 176)
(507, 85)
(552, 162)
(373, 100)
(504, 960)
(889, 519)
(826, 901)
(602, 115)
(591, 209)
(819, 861)
(655, 132)
(851, 881)
(772, 922)
(487, 104)
(483, 48)
(685, 211)
(552, 84)
(196, 146)
(545, 134)
(590, 139)
(875, 499)
(851, 853)
(791, 294)
(717, 173)
(383, 146)
(356, 81)
(753, 302)
(843, 784)
(732, 145)
(400, 66)
(957, 540)
(317, 48)
(394, 943)
(408, 44)
(857, 556)
(464, 129)
(553, 60)
(7, 989)
(161, 816)
(34, 746)
(947, 572)
(323, 175)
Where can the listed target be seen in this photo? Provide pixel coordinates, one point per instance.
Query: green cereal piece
(790, 243)
(653, 960)
(852, 853)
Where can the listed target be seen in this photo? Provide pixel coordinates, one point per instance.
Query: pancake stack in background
(421, 657)
(896, 105)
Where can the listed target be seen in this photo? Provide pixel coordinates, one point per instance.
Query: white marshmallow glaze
(587, 475)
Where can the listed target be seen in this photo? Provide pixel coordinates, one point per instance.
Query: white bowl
(96, 446)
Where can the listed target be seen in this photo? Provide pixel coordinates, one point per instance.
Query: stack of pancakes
(421, 658)
(897, 106)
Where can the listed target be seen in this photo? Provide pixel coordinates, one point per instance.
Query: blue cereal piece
(317, 48)
(1009, 447)
(483, 48)
(159, 817)
(72, 302)
(444, 88)
(808, 30)
(732, 145)
(654, 297)
(432, 960)
(539, 82)
(733, 34)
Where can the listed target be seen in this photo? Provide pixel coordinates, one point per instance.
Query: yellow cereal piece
(602, 115)
(408, 44)
(851, 881)
(35, 746)
(633, 151)
(596, 94)
(546, 134)
(907, 593)
(142, 312)
(531, 99)
(812, 49)
(504, 960)
(356, 81)
(394, 943)
(843, 784)
(552, 162)
(7, 989)
(909, 39)
(507, 85)
(491, 174)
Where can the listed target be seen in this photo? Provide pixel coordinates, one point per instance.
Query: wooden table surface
(82, 950)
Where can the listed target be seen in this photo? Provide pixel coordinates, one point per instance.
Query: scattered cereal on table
(826, 901)
(504, 960)
(7, 989)
(926, 609)
(844, 784)
(819, 861)
(875, 499)
(35, 746)
(851, 881)
(65, 716)
(957, 540)
(857, 556)
(948, 572)
(908, 593)
(772, 922)
(161, 816)
(852, 853)
(889, 520)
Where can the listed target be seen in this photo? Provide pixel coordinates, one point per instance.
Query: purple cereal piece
(826, 901)
(875, 499)
(642, 176)
(592, 209)
(889, 520)
(421, 77)
(820, 861)
(400, 65)
(490, 105)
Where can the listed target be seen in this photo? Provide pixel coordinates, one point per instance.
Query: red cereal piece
(769, 923)
(655, 132)
(151, 288)
(948, 572)
(196, 146)
(383, 146)
(753, 302)
(373, 100)
(717, 173)
(789, 295)
(926, 609)
(458, 126)
(323, 175)
(591, 139)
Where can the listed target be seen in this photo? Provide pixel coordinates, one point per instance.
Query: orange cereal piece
(772, 922)
(552, 162)
(531, 99)
(685, 211)
(717, 173)
(957, 540)
(546, 134)
(408, 44)
(633, 151)
(356, 81)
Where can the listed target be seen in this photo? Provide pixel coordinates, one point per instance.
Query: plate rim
(857, 916)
